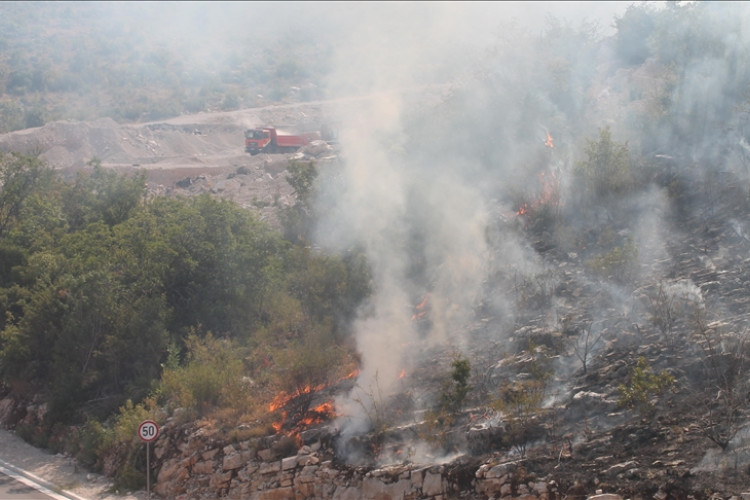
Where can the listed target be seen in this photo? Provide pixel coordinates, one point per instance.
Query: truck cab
(257, 140)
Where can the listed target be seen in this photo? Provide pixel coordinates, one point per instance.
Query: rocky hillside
(637, 388)
(583, 439)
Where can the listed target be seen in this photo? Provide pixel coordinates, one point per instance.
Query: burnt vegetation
(612, 356)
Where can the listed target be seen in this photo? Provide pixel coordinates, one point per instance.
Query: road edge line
(53, 488)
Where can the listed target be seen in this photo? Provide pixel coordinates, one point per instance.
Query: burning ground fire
(549, 142)
(550, 194)
(550, 187)
(308, 416)
(422, 309)
(317, 415)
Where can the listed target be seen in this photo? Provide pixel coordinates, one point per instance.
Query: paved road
(22, 488)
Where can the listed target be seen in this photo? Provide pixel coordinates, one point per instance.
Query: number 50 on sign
(148, 431)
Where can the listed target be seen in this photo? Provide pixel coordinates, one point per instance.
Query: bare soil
(186, 155)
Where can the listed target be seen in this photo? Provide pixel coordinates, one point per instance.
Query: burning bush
(540, 210)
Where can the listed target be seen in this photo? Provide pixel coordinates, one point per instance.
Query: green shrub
(449, 401)
(129, 478)
(124, 447)
(607, 170)
(130, 418)
(212, 376)
(92, 441)
(456, 389)
(643, 387)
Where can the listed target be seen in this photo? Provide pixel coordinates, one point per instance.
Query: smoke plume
(446, 131)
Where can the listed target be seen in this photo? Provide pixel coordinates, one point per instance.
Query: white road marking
(35, 482)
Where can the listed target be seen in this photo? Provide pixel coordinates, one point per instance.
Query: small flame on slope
(421, 309)
(550, 143)
(550, 194)
(312, 416)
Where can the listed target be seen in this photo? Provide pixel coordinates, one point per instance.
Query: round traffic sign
(148, 431)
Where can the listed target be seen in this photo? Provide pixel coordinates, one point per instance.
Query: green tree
(298, 220)
(606, 173)
(99, 286)
(329, 288)
(103, 195)
(20, 176)
(455, 390)
(85, 316)
(221, 263)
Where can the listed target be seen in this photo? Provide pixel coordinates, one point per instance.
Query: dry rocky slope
(582, 444)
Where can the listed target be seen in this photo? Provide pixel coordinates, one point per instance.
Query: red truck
(270, 140)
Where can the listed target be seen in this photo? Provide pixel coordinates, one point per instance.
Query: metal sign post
(148, 431)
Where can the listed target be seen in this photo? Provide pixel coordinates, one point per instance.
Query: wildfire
(402, 373)
(421, 310)
(549, 195)
(318, 414)
(550, 143)
(283, 398)
(523, 209)
(311, 416)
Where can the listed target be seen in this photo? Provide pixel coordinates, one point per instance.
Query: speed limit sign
(148, 431)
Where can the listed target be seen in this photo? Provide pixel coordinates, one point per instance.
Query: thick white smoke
(426, 161)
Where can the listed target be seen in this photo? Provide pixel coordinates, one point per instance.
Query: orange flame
(312, 416)
(421, 309)
(550, 194)
(550, 143)
(402, 374)
(283, 398)
(317, 415)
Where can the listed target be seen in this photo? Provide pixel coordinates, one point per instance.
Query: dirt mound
(67, 144)
(186, 155)
(209, 139)
(70, 145)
